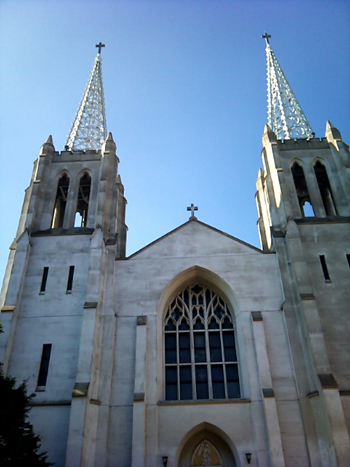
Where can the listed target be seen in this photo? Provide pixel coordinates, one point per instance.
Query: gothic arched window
(200, 352)
(61, 201)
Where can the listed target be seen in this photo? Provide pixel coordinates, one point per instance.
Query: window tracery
(200, 352)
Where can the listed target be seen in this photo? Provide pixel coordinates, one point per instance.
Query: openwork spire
(284, 113)
(89, 129)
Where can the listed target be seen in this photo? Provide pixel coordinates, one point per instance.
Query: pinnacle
(47, 146)
(49, 140)
(332, 132)
(267, 128)
(269, 134)
(109, 144)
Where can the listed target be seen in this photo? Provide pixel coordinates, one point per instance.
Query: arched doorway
(206, 445)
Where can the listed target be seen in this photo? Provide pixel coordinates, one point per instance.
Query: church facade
(199, 349)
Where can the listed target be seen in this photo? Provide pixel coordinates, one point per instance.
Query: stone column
(138, 425)
(81, 391)
(270, 407)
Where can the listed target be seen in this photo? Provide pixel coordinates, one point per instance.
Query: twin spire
(89, 129)
(284, 113)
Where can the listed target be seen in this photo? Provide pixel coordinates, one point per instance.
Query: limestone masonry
(199, 349)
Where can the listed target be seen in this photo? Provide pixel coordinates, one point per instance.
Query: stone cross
(192, 208)
(100, 45)
(266, 37)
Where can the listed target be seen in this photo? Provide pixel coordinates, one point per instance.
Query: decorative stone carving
(206, 455)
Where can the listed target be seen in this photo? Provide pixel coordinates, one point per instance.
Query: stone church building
(199, 349)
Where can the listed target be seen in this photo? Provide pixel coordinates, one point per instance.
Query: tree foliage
(19, 445)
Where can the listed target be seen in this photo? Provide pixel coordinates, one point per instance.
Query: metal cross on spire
(264, 36)
(284, 113)
(100, 45)
(89, 129)
(192, 208)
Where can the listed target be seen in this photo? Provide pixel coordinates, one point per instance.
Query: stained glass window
(200, 351)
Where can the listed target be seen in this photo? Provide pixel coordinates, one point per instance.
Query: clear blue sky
(185, 91)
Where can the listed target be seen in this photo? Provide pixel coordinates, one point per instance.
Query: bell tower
(303, 201)
(71, 230)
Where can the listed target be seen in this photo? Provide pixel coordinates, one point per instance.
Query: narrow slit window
(60, 203)
(302, 191)
(44, 365)
(44, 280)
(348, 258)
(83, 201)
(324, 268)
(70, 279)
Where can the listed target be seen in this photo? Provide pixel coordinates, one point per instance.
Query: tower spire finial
(264, 36)
(284, 113)
(89, 129)
(100, 45)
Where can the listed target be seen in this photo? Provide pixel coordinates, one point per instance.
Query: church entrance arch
(205, 445)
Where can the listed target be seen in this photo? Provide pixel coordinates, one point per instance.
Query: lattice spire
(89, 129)
(284, 113)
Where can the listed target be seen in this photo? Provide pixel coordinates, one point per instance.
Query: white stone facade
(104, 400)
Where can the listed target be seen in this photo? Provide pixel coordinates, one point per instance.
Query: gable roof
(202, 224)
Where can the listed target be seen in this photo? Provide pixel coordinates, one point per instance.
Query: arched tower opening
(302, 191)
(82, 209)
(325, 189)
(61, 202)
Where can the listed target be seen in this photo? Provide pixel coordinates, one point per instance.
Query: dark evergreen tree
(19, 445)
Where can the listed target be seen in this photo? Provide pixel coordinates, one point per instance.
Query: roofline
(205, 225)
